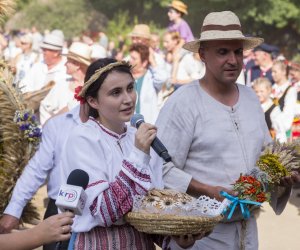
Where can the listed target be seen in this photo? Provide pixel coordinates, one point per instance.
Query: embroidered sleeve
(117, 199)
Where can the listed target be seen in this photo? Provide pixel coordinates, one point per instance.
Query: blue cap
(267, 48)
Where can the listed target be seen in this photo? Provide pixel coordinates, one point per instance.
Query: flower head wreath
(80, 95)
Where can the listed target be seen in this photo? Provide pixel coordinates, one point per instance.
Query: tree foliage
(71, 16)
(275, 20)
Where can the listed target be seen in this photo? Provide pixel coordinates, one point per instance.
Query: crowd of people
(200, 94)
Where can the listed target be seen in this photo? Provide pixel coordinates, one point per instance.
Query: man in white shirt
(43, 166)
(51, 69)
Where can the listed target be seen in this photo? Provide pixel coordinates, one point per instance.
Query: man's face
(223, 60)
(50, 56)
(295, 74)
(142, 40)
(260, 57)
(72, 66)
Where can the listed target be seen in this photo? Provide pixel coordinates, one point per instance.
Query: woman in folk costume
(294, 73)
(284, 94)
(273, 115)
(116, 157)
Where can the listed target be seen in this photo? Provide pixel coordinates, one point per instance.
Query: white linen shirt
(57, 98)
(152, 84)
(44, 163)
(39, 75)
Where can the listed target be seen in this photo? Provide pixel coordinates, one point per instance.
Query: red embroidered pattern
(135, 172)
(117, 199)
(95, 183)
(108, 132)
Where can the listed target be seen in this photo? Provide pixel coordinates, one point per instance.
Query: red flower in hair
(77, 97)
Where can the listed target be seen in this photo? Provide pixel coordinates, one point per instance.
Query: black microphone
(71, 196)
(135, 121)
(78, 177)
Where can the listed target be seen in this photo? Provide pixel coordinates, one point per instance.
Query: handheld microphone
(135, 121)
(71, 196)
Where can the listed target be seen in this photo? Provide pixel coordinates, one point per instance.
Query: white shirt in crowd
(44, 164)
(276, 120)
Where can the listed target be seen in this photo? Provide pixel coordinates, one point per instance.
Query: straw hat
(80, 52)
(141, 30)
(180, 6)
(223, 25)
(52, 42)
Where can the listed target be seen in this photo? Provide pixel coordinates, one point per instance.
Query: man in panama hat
(214, 129)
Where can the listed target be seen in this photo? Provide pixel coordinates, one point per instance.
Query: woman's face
(168, 43)
(115, 100)
(278, 74)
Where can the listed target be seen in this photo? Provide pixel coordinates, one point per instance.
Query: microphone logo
(68, 195)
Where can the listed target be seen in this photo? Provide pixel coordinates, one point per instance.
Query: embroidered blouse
(117, 172)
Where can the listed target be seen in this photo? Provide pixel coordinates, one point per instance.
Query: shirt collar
(74, 114)
(108, 131)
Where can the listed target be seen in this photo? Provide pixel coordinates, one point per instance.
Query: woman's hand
(144, 137)
(54, 228)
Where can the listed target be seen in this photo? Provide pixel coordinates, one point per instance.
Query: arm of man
(33, 176)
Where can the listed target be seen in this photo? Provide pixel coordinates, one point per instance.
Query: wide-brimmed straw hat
(141, 30)
(223, 25)
(180, 6)
(80, 52)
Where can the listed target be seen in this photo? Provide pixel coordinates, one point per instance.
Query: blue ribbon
(236, 201)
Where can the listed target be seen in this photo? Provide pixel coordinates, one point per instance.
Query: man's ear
(93, 102)
(201, 54)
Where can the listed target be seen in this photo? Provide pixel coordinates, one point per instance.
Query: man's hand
(214, 192)
(197, 188)
(7, 223)
(291, 180)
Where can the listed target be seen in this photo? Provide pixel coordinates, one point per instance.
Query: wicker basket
(171, 224)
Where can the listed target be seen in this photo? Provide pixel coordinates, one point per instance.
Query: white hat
(98, 51)
(52, 42)
(59, 33)
(80, 52)
(223, 25)
(26, 38)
